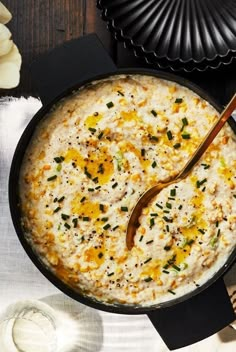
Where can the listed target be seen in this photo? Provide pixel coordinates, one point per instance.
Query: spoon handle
(226, 113)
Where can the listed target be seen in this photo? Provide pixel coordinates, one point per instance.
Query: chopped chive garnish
(148, 279)
(204, 188)
(95, 179)
(116, 227)
(168, 205)
(106, 227)
(110, 104)
(185, 121)
(115, 185)
(152, 222)
(154, 214)
(201, 231)
(100, 255)
(56, 210)
(55, 200)
(185, 135)
(218, 233)
(87, 173)
(85, 218)
(167, 228)
(91, 189)
(166, 211)
(122, 94)
(110, 274)
(61, 199)
(153, 112)
(172, 292)
(124, 208)
(165, 271)
(159, 206)
(59, 159)
(65, 217)
(175, 267)
(167, 219)
(167, 248)
(180, 207)
(75, 222)
(82, 239)
(104, 219)
(169, 135)
(147, 260)
(190, 242)
(177, 145)
(67, 225)
(59, 167)
(154, 138)
(154, 164)
(101, 207)
(173, 192)
(178, 100)
(100, 135)
(141, 238)
(142, 152)
(82, 199)
(171, 198)
(200, 183)
(52, 178)
(205, 166)
(98, 187)
(217, 223)
(101, 169)
(93, 130)
(148, 242)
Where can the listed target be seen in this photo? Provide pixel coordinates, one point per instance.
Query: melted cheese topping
(88, 163)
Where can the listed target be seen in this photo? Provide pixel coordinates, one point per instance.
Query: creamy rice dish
(85, 168)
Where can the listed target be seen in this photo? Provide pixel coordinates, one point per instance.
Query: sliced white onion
(5, 46)
(5, 15)
(13, 56)
(4, 32)
(9, 75)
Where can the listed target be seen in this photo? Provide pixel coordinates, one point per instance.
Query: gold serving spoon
(133, 223)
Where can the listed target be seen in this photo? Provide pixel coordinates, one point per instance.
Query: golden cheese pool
(86, 166)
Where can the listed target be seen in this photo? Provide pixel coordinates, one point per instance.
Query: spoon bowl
(146, 197)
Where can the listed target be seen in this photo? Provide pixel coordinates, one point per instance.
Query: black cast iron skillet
(181, 321)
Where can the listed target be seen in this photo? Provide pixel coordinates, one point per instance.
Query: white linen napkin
(20, 280)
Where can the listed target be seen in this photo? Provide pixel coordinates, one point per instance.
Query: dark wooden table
(40, 25)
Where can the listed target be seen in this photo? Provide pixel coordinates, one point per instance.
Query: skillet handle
(70, 64)
(196, 318)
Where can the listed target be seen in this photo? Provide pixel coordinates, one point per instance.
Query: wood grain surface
(40, 25)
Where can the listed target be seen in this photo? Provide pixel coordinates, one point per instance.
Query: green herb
(116, 227)
(93, 130)
(101, 207)
(90, 189)
(154, 164)
(153, 138)
(120, 93)
(110, 104)
(100, 135)
(167, 248)
(98, 187)
(115, 185)
(185, 121)
(147, 260)
(59, 167)
(148, 279)
(119, 160)
(200, 183)
(148, 242)
(217, 223)
(167, 228)
(169, 135)
(180, 207)
(154, 113)
(213, 241)
(218, 233)
(176, 267)
(106, 227)
(85, 218)
(178, 100)
(168, 205)
(87, 173)
(159, 206)
(185, 135)
(59, 227)
(173, 192)
(110, 274)
(190, 241)
(59, 159)
(165, 271)
(101, 169)
(65, 217)
(171, 198)
(82, 239)
(177, 145)
(201, 231)
(75, 222)
(142, 152)
(172, 292)
(154, 214)
(166, 211)
(61, 199)
(56, 210)
(82, 199)
(152, 222)
(104, 219)
(67, 225)
(124, 208)
(141, 238)
(167, 219)
(95, 179)
(55, 200)
(52, 178)
(100, 255)
(205, 166)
